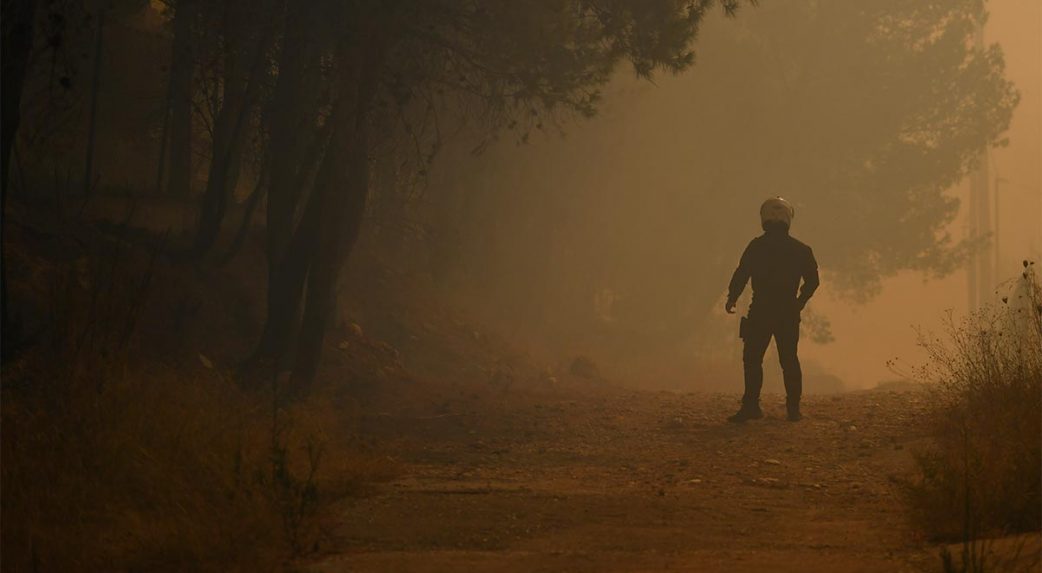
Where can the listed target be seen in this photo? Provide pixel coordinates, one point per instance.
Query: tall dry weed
(115, 463)
(983, 475)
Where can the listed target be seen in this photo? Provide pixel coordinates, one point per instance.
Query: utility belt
(760, 318)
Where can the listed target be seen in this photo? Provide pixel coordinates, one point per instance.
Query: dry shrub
(155, 471)
(114, 463)
(139, 474)
(982, 476)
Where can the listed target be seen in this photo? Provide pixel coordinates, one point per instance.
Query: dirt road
(617, 480)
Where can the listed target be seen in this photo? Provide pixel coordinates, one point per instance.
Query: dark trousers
(785, 329)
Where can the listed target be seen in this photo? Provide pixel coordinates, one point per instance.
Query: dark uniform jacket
(776, 263)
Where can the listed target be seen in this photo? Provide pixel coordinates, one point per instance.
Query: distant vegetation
(317, 114)
(864, 114)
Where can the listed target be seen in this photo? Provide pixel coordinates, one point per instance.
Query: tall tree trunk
(338, 235)
(288, 267)
(290, 159)
(18, 21)
(345, 189)
(244, 62)
(286, 287)
(92, 126)
(287, 126)
(302, 287)
(182, 67)
(219, 183)
(339, 231)
(164, 136)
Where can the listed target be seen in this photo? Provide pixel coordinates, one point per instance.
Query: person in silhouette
(776, 263)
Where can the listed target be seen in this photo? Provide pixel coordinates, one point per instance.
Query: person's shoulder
(756, 241)
(800, 244)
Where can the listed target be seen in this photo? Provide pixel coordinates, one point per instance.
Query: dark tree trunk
(182, 67)
(289, 265)
(18, 20)
(220, 183)
(338, 234)
(304, 270)
(288, 254)
(345, 188)
(286, 287)
(249, 207)
(92, 126)
(288, 123)
(246, 43)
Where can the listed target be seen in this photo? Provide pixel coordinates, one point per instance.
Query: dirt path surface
(617, 480)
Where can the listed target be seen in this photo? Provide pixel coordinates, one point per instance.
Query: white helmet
(777, 209)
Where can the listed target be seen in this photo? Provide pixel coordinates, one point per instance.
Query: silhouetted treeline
(618, 239)
(307, 100)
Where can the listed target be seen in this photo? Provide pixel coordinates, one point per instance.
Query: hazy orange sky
(632, 136)
(869, 335)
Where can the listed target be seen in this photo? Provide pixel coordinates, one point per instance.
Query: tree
(501, 64)
(182, 68)
(863, 114)
(246, 35)
(18, 22)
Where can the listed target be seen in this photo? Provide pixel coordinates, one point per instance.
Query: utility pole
(971, 262)
(998, 223)
(981, 269)
(985, 260)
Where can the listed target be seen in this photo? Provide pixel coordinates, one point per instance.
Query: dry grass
(983, 476)
(113, 461)
(141, 473)
(158, 472)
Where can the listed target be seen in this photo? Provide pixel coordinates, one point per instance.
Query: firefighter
(776, 263)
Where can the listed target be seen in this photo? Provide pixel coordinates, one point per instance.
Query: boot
(746, 413)
(793, 411)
